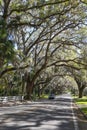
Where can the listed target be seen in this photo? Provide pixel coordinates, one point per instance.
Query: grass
(84, 110)
(82, 101)
(44, 96)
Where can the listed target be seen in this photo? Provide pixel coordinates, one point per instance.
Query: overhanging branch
(11, 69)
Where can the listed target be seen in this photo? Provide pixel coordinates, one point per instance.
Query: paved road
(43, 115)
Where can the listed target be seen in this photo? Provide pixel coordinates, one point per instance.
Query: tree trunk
(80, 92)
(29, 90)
(39, 91)
(81, 86)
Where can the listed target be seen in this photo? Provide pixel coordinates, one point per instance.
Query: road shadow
(45, 116)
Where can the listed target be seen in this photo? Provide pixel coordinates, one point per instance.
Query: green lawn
(84, 110)
(44, 96)
(82, 101)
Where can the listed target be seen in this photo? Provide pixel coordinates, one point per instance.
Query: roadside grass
(84, 110)
(44, 96)
(83, 102)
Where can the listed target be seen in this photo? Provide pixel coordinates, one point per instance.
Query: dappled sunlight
(48, 115)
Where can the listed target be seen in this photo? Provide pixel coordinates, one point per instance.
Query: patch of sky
(10, 37)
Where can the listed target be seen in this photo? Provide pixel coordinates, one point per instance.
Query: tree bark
(39, 91)
(29, 90)
(81, 92)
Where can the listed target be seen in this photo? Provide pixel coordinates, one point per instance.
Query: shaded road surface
(43, 115)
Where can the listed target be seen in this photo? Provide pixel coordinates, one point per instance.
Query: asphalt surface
(54, 114)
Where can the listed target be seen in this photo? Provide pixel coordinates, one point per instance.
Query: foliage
(6, 45)
(38, 36)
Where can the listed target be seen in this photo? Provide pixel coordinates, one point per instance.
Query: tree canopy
(38, 34)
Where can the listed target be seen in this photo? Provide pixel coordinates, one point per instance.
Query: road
(54, 114)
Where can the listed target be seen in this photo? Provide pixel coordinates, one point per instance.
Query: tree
(37, 30)
(6, 44)
(80, 78)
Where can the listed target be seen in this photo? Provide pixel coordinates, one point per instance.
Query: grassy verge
(82, 102)
(84, 110)
(44, 96)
